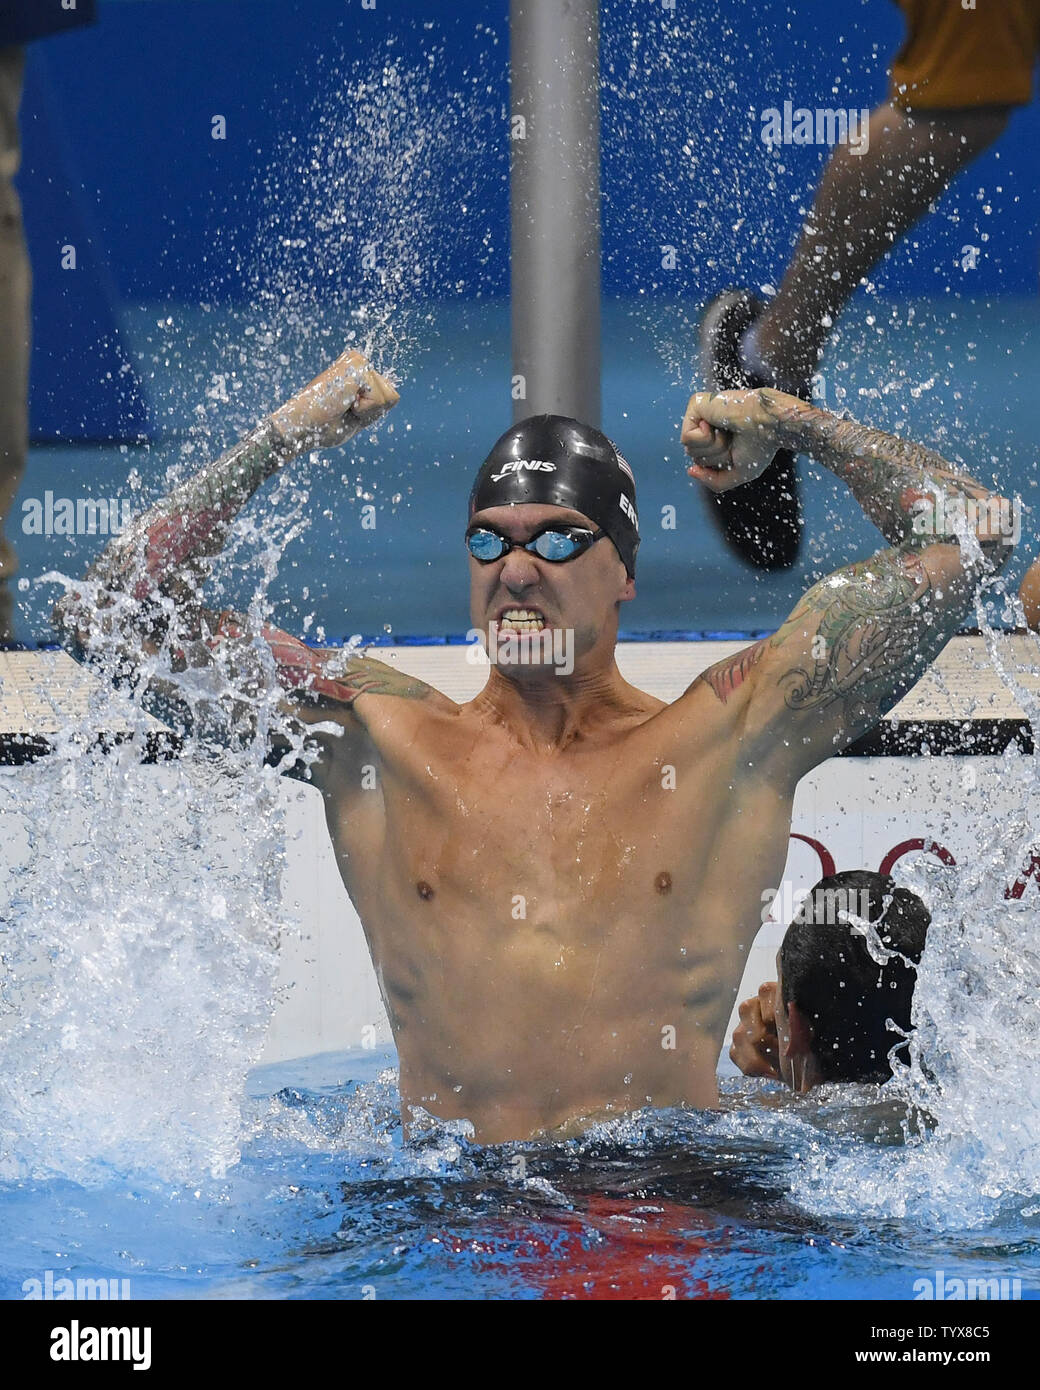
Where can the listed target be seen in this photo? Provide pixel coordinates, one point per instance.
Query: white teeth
(521, 620)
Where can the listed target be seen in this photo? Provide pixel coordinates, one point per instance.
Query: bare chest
(582, 829)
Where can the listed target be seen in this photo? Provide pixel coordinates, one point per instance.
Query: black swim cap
(558, 461)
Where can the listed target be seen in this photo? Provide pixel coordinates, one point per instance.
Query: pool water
(328, 1202)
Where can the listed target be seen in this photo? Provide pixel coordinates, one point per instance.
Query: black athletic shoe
(761, 521)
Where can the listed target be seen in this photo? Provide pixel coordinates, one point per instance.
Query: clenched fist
(346, 397)
(755, 1049)
(733, 436)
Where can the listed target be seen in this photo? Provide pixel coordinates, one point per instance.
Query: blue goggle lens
(548, 545)
(485, 545)
(555, 545)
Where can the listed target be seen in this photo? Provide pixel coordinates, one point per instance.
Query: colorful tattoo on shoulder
(725, 678)
(319, 676)
(307, 672)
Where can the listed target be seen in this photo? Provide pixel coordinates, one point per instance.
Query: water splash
(140, 923)
(139, 963)
(972, 1086)
(139, 928)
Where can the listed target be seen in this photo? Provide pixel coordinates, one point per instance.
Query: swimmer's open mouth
(521, 620)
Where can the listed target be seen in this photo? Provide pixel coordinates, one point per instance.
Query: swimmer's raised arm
(163, 552)
(862, 637)
(153, 571)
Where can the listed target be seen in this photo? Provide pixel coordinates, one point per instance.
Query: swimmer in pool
(556, 879)
(826, 1016)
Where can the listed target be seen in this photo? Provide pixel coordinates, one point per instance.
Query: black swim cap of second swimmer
(560, 462)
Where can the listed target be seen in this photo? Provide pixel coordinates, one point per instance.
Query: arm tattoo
(162, 553)
(154, 556)
(192, 522)
(865, 634)
(731, 673)
(891, 477)
(320, 677)
(871, 637)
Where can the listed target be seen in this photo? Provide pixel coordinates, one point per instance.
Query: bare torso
(558, 933)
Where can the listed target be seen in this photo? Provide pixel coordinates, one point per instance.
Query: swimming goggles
(554, 543)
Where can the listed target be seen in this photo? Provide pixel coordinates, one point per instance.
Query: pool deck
(959, 706)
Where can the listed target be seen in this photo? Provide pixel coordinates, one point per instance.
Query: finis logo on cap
(524, 466)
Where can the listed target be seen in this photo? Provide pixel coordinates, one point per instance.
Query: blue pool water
(326, 1202)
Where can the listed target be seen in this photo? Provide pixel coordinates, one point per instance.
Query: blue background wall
(119, 160)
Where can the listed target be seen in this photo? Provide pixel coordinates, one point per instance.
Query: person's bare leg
(14, 325)
(864, 204)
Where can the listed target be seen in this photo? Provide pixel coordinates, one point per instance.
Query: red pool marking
(908, 846)
(644, 1251)
(825, 856)
(1032, 870)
